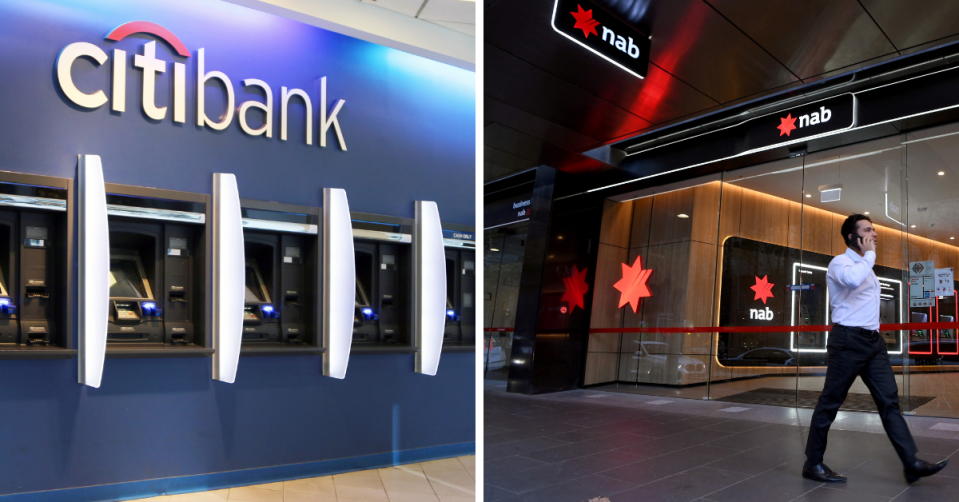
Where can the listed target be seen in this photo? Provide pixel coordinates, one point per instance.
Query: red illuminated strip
(773, 329)
(762, 329)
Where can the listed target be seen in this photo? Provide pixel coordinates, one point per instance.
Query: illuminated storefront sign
(151, 67)
(602, 34)
(763, 289)
(633, 285)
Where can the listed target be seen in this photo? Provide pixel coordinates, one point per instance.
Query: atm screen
(126, 281)
(255, 290)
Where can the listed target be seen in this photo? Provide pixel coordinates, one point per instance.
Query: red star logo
(633, 284)
(576, 288)
(585, 21)
(787, 125)
(763, 289)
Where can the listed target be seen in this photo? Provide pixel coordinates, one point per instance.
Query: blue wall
(409, 126)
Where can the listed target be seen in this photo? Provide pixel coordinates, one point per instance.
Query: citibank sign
(154, 68)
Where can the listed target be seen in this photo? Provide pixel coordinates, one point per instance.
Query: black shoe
(920, 469)
(823, 474)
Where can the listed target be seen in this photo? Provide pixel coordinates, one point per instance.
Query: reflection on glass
(255, 290)
(450, 279)
(125, 279)
(363, 263)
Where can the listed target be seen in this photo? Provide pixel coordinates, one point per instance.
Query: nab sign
(602, 33)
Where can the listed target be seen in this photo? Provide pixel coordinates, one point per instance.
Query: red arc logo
(585, 21)
(633, 286)
(763, 289)
(576, 288)
(788, 123)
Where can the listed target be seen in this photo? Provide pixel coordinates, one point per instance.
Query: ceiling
(457, 15)
(547, 100)
(441, 30)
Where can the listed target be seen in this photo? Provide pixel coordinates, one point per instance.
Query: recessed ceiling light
(952, 238)
(867, 212)
(683, 215)
(942, 173)
(913, 226)
(560, 237)
(808, 195)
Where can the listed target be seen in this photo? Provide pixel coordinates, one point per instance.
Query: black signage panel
(803, 122)
(788, 127)
(506, 211)
(587, 24)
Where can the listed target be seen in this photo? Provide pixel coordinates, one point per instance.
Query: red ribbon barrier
(760, 329)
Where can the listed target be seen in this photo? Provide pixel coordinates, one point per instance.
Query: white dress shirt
(854, 290)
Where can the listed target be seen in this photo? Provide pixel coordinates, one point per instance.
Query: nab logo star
(633, 284)
(787, 125)
(763, 289)
(585, 21)
(576, 288)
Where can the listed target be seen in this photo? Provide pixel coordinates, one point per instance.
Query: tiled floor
(579, 445)
(942, 386)
(448, 480)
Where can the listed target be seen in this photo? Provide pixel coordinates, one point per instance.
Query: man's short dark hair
(849, 227)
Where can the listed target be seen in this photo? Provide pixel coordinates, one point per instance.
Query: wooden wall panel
(817, 231)
(700, 284)
(889, 248)
(604, 342)
(669, 287)
(835, 234)
(730, 211)
(642, 215)
(763, 217)
(666, 225)
(617, 220)
(600, 368)
(606, 312)
(705, 215)
(794, 235)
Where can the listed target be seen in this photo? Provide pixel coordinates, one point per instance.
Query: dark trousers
(854, 352)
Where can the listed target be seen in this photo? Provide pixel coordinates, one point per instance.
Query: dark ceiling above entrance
(548, 99)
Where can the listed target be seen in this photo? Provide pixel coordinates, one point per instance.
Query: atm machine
(158, 272)
(35, 233)
(383, 250)
(460, 287)
(282, 295)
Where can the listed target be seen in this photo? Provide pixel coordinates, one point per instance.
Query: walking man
(855, 348)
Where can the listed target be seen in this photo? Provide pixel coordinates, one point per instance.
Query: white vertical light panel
(429, 295)
(339, 282)
(229, 277)
(93, 257)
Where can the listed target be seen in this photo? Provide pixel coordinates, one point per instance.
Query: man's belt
(861, 331)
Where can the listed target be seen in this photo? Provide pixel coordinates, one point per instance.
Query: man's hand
(867, 244)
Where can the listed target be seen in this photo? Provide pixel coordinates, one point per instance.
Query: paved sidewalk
(578, 445)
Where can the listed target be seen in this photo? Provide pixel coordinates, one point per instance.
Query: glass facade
(503, 250)
(734, 266)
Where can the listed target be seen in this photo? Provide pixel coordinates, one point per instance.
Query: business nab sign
(603, 34)
(153, 68)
